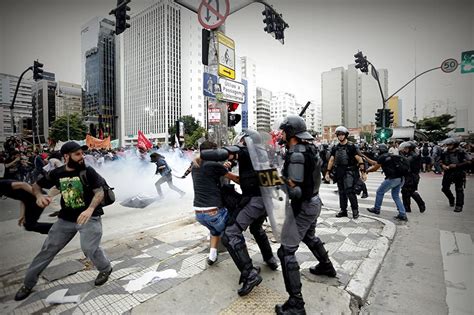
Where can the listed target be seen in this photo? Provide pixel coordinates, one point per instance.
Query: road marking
(458, 263)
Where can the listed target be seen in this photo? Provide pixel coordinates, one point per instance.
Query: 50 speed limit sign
(449, 65)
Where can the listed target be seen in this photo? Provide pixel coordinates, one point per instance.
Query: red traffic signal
(231, 107)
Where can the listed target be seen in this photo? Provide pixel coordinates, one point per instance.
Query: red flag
(143, 141)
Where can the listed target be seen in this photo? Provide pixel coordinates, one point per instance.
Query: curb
(362, 280)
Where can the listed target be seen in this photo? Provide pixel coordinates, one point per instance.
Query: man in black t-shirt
(393, 181)
(80, 212)
(30, 211)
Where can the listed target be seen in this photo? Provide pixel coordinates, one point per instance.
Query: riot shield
(269, 179)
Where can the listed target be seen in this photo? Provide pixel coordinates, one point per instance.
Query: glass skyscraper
(99, 77)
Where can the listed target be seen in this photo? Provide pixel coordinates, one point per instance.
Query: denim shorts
(215, 223)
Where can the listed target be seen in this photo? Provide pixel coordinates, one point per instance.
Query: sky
(323, 34)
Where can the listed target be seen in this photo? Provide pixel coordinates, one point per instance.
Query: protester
(164, 170)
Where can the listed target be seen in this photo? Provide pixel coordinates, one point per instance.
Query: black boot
(341, 214)
(294, 305)
(251, 280)
(272, 263)
(355, 213)
(325, 266)
(419, 201)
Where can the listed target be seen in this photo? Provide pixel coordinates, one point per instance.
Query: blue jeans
(215, 223)
(395, 185)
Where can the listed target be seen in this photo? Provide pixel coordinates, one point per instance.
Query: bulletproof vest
(249, 182)
(453, 157)
(310, 186)
(342, 158)
(415, 162)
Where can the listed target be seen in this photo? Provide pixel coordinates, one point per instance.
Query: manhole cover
(261, 300)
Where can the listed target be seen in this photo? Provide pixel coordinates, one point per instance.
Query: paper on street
(151, 276)
(59, 297)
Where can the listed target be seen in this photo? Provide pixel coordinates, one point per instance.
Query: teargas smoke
(133, 175)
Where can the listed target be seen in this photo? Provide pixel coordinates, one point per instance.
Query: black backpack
(401, 165)
(109, 195)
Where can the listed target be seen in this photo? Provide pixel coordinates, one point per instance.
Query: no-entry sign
(212, 13)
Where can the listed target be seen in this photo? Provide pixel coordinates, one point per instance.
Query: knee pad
(284, 251)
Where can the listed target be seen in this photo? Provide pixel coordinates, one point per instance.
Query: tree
(436, 128)
(191, 140)
(77, 128)
(190, 126)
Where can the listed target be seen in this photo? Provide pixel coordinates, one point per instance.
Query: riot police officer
(410, 187)
(347, 161)
(302, 174)
(251, 215)
(454, 161)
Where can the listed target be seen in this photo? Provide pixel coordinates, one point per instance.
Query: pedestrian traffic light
(361, 62)
(378, 118)
(383, 134)
(388, 117)
(121, 16)
(37, 71)
(232, 118)
(268, 20)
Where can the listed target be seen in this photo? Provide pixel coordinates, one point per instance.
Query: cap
(71, 146)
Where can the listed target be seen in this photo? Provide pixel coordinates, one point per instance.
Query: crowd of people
(226, 213)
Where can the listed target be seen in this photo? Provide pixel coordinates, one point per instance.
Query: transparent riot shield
(269, 178)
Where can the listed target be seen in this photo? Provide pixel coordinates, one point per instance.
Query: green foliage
(436, 128)
(366, 135)
(191, 140)
(77, 128)
(190, 128)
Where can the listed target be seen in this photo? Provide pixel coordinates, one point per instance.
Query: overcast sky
(323, 34)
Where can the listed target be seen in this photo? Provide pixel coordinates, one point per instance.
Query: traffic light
(232, 119)
(383, 134)
(268, 20)
(121, 16)
(378, 118)
(388, 117)
(37, 71)
(361, 62)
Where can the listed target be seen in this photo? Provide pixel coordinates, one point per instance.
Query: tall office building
(68, 99)
(192, 99)
(98, 56)
(312, 117)
(332, 97)
(263, 105)
(283, 104)
(152, 71)
(249, 73)
(350, 98)
(22, 111)
(44, 107)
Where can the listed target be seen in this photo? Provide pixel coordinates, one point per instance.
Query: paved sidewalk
(357, 248)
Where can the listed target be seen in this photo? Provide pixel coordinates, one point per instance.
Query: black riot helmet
(294, 126)
(252, 134)
(382, 149)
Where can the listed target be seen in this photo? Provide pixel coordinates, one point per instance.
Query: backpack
(109, 195)
(401, 164)
(425, 151)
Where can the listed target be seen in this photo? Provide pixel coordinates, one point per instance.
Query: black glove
(294, 193)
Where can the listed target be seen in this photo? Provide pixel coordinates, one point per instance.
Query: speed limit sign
(449, 65)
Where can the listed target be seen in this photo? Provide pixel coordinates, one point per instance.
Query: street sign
(209, 82)
(449, 65)
(232, 91)
(226, 56)
(467, 62)
(212, 13)
(213, 113)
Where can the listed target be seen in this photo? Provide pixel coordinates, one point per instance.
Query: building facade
(249, 73)
(283, 104)
(22, 111)
(263, 106)
(152, 72)
(68, 99)
(98, 55)
(44, 108)
(395, 105)
(332, 97)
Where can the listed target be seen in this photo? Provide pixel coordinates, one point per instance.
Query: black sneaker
(457, 209)
(373, 210)
(102, 277)
(341, 214)
(364, 196)
(323, 269)
(401, 218)
(451, 203)
(272, 263)
(22, 293)
(422, 209)
(355, 214)
(211, 262)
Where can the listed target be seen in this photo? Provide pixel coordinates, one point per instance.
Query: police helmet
(406, 145)
(451, 141)
(295, 126)
(382, 148)
(252, 134)
(342, 129)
